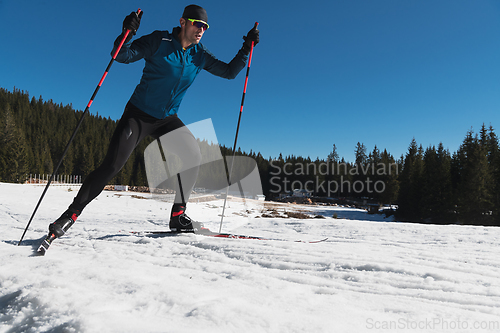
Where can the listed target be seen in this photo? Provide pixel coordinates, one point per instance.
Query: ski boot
(58, 229)
(63, 223)
(180, 222)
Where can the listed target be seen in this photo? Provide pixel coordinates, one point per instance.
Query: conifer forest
(427, 184)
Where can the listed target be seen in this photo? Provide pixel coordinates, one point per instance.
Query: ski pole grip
(255, 27)
(139, 14)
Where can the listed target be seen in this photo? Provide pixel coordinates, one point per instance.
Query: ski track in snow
(369, 276)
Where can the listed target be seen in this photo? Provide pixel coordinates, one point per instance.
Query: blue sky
(379, 72)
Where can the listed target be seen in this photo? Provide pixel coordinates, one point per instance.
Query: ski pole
(77, 128)
(237, 131)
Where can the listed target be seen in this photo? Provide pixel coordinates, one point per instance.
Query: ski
(47, 241)
(208, 233)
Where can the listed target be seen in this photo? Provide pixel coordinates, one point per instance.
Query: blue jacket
(170, 70)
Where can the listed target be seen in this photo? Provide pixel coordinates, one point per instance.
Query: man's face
(192, 34)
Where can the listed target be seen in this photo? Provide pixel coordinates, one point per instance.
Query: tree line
(429, 185)
(463, 187)
(34, 134)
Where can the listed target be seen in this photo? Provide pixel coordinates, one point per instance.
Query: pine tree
(359, 176)
(474, 199)
(333, 156)
(437, 201)
(360, 154)
(13, 153)
(494, 170)
(389, 177)
(372, 175)
(410, 193)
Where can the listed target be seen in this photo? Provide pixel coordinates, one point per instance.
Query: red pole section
(111, 62)
(246, 82)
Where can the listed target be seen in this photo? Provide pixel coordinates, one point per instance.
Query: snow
(369, 276)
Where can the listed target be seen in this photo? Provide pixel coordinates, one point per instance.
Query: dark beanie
(195, 12)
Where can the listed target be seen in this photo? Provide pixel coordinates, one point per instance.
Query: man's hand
(131, 23)
(252, 36)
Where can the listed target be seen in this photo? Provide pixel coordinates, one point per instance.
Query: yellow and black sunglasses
(199, 23)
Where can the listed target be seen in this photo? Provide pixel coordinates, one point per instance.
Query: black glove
(252, 36)
(131, 23)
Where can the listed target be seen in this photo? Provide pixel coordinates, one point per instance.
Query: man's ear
(182, 21)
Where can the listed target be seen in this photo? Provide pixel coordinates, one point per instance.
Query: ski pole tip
(256, 25)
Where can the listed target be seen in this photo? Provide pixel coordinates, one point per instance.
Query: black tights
(132, 128)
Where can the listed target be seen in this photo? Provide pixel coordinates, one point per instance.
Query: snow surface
(369, 276)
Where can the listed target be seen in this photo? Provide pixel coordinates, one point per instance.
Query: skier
(172, 62)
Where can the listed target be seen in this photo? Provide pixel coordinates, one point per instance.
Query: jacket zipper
(173, 92)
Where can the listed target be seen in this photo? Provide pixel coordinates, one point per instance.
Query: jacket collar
(175, 35)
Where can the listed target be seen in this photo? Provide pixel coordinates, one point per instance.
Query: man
(172, 61)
